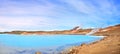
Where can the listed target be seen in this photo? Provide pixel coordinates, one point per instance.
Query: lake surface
(44, 42)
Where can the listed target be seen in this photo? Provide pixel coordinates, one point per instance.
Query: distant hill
(108, 31)
(76, 30)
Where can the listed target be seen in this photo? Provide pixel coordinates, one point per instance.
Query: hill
(109, 45)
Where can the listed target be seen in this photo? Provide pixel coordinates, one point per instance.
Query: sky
(57, 14)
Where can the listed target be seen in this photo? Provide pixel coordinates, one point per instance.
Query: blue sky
(57, 14)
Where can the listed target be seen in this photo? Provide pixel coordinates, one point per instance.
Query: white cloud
(47, 14)
(22, 23)
(17, 8)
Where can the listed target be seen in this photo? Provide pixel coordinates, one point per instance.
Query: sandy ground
(109, 45)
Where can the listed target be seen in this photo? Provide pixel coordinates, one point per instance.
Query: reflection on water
(47, 44)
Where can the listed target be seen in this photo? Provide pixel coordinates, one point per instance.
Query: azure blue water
(45, 41)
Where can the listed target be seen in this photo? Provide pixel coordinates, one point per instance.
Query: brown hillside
(109, 45)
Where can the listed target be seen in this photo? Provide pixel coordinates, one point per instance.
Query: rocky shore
(109, 45)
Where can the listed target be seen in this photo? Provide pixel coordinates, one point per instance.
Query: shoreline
(67, 46)
(103, 46)
(110, 44)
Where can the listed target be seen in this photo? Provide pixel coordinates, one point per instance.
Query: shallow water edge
(61, 46)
